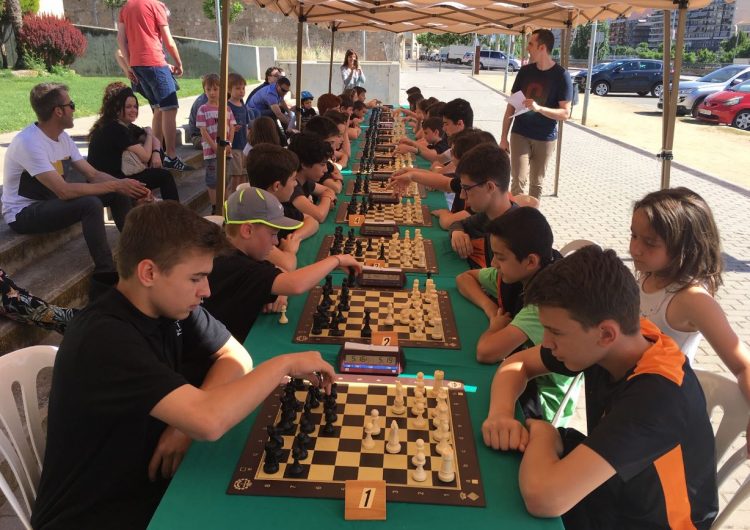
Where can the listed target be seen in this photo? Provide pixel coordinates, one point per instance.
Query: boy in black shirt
(648, 460)
(313, 154)
(243, 282)
(121, 414)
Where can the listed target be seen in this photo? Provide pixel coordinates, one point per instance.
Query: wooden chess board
(412, 190)
(376, 302)
(396, 261)
(389, 212)
(339, 457)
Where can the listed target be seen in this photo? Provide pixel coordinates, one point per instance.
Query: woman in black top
(115, 132)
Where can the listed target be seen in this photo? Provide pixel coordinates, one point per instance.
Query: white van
(491, 59)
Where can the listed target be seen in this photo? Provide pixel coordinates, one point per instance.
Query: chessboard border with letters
(468, 491)
(431, 263)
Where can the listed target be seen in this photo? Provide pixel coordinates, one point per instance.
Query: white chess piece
(283, 319)
(368, 443)
(405, 317)
(420, 456)
(419, 421)
(420, 381)
(394, 445)
(388, 321)
(375, 420)
(444, 438)
(419, 474)
(418, 398)
(398, 405)
(446, 473)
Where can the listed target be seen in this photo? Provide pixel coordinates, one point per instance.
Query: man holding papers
(541, 96)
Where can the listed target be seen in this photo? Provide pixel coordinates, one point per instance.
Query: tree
(579, 49)
(209, 9)
(12, 13)
(113, 6)
(434, 41)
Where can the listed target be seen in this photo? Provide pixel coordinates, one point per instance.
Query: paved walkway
(599, 181)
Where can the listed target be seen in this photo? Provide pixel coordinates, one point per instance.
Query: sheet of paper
(516, 99)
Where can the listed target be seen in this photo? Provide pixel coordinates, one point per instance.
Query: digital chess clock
(384, 197)
(382, 277)
(375, 229)
(355, 358)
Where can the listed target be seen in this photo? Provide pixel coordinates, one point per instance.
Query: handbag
(131, 164)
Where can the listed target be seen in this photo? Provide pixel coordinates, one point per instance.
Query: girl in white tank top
(677, 255)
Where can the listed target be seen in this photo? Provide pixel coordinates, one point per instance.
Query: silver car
(691, 94)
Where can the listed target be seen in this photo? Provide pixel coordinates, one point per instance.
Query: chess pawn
(389, 321)
(445, 436)
(420, 456)
(407, 236)
(418, 399)
(417, 234)
(419, 330)
(398, 404)
(405, 316)
(437, 333)
(394, 445)
(375, 421)
(419, 474)
(368, 443)
(283, 318)
(446, 473)
(419, 421)
(420, 381)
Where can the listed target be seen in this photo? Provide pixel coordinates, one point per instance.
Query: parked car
(690, 94)
(627, 75)
(489, 59)
(579, 80)
(730, 106)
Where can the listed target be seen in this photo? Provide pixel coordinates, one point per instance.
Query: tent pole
(666, 77)
(564, 56)
(507, 62)
(666, 154)
(300, 24)
(330, 66)
(221, 134)
(587, 90)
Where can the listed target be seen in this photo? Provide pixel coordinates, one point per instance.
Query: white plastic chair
(577, 244)
(572, 391)
(23, 456)
(216, 219)
(724, 393)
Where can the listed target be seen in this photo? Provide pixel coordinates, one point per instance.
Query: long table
(196, 497)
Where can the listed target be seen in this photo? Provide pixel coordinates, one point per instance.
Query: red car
(730, 106)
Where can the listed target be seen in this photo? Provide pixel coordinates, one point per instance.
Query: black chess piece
(316, 396)
(271, 463)
(381, 255)
(340, 317)
(328, 429)
(369, 244)
(296, 469)
(358, 249)
(334, 393)
(303, 440)
(429, 275)
(299, 384)
(317, 327)
(352, 276)
(333, 329)
(366, 331)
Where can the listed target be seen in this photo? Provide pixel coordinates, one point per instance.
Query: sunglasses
(72, 105)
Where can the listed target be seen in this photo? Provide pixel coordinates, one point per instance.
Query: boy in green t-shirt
(521, 242)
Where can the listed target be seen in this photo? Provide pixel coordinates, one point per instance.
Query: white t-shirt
(32, 153)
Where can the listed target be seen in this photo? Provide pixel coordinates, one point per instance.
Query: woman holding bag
(119, 147)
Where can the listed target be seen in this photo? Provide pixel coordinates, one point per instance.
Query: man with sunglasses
(37, 195)
(269, 101)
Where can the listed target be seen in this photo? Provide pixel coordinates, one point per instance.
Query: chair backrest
(23, 454)
(577, 244)
(724, 393)
(216, 219)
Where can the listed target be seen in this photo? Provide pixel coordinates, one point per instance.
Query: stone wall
(254, 26)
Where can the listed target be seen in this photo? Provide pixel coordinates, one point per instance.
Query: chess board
(396, 261)
(376, 302)
(412, 190)
(389, 212)
(338, 457)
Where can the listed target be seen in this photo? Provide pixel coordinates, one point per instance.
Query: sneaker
(176, 163)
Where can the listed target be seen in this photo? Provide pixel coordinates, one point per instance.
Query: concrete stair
(57, 266)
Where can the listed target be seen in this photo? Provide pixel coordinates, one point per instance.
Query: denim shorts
(210, 165)
(158, 85)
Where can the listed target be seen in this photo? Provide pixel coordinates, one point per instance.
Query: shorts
(237, 164)
(210, 165)
(158, 85)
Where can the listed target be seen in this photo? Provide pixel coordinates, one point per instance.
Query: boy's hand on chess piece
(504, 433)
(461, 243)
(307, 365)
(348, 262)
(275, 307)
(169, 452)
(499, 320)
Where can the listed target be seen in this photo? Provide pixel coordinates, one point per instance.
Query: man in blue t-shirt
(269, 101)
(548, 92)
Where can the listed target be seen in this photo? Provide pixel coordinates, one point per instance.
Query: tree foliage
(579, 49)
(54, 40)
(235, 9)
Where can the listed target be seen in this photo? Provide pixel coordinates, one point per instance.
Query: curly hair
(112, 106)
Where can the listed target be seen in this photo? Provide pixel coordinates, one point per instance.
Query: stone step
(61, 274)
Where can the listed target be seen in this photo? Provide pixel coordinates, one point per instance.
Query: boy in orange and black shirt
(648, 460)
(485, 176)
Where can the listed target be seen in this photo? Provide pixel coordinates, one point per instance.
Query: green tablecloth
(196, 499)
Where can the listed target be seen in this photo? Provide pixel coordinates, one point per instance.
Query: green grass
(15, 110)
